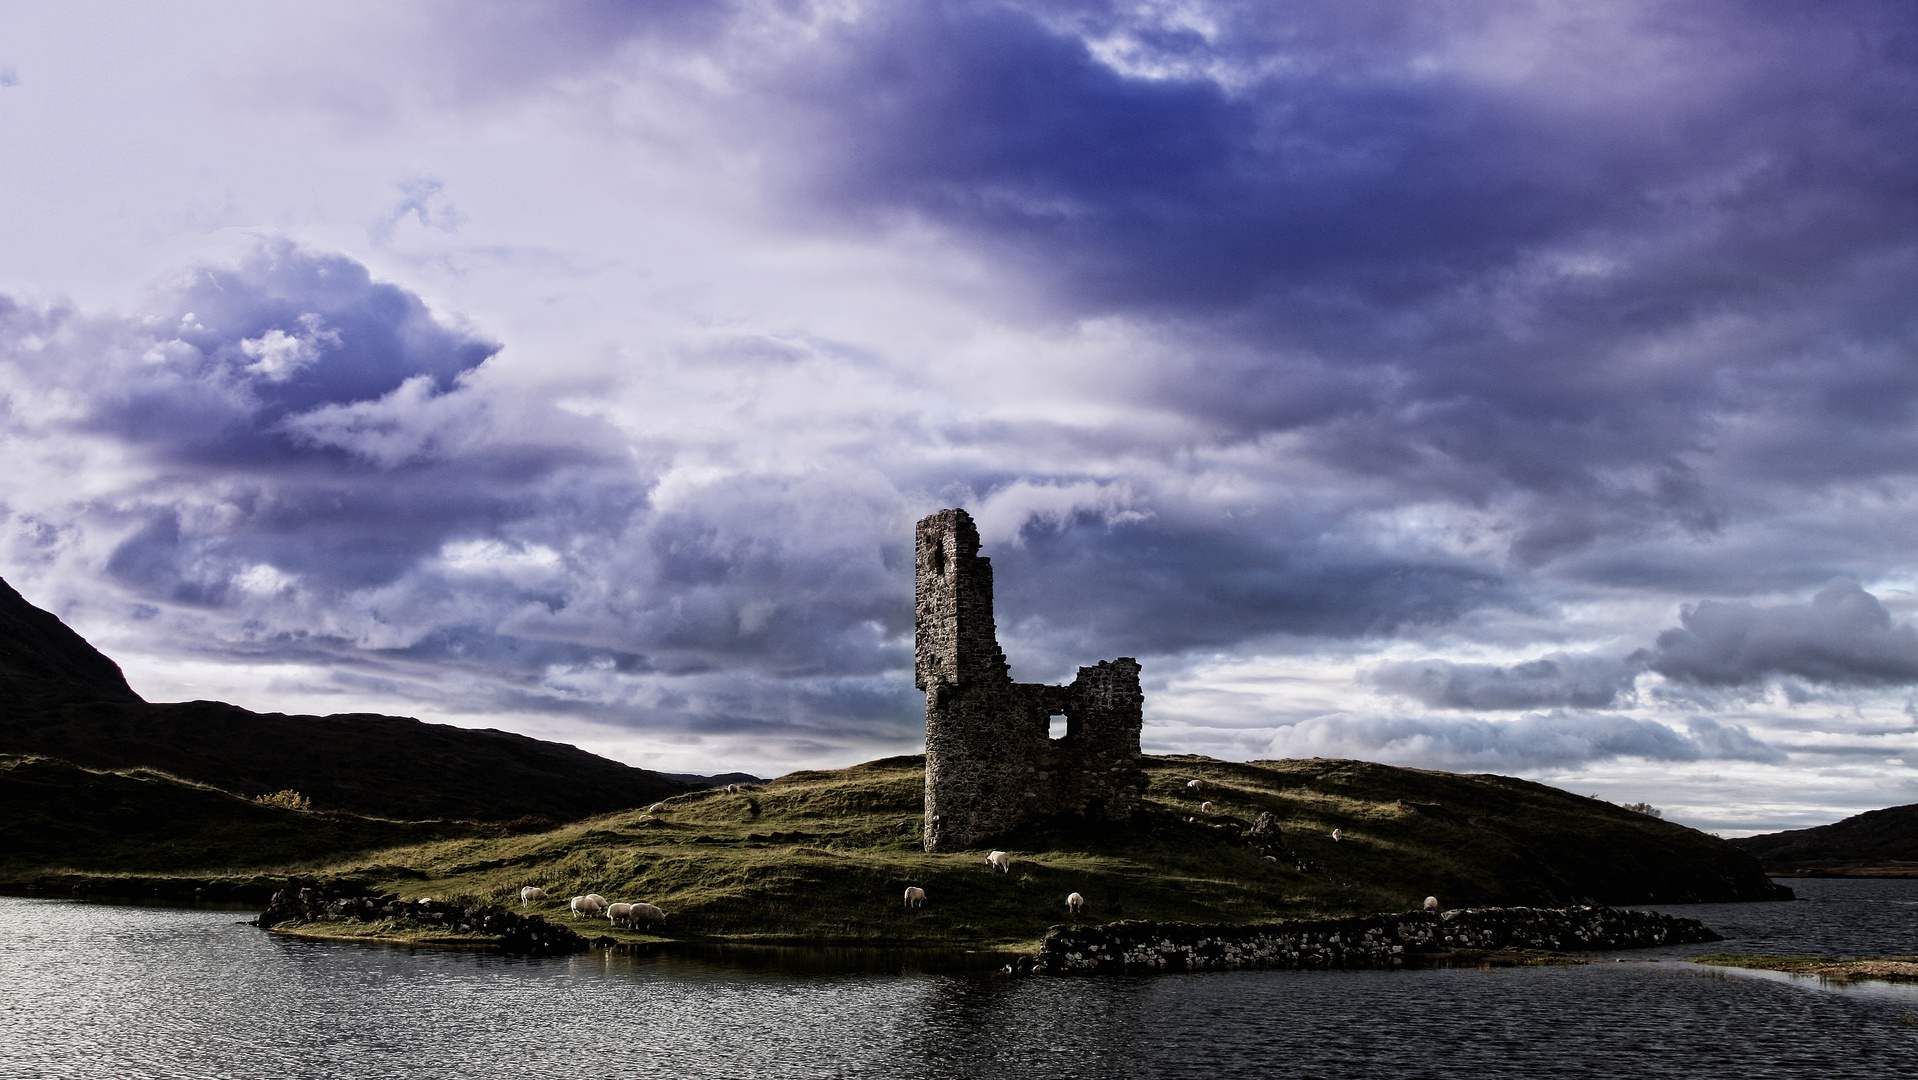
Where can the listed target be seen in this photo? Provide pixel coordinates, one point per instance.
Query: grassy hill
(1877, 843)
(62, 825)
(825, 856)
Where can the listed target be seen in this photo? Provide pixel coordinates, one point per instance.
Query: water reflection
(97, 990)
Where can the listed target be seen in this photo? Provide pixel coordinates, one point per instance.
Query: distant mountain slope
(61, 698)
(715, 780)
(1872, 844)
(43, 662)
(386, 766)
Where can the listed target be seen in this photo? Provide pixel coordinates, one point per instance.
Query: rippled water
(94, 990)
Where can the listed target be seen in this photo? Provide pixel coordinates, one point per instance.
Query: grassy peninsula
(1883, 968)
(825, 856)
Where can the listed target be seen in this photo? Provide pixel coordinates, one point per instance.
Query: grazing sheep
(1431, 903)
(424, 900)
(596, 898)
(1075, 903)
(618, 914)
(531, 893)
(915, 896)
(1206, 806)
(1194, 785)
(656, 808)
(587, 906)
(999, 860)
(1337, 834)
(646, 913)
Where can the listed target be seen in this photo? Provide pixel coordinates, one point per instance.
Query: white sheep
(597, 899)
(915, 896)
(618, 914)
(1075, 903)
(1194, 785)
(1431, 903)
(646, 913)
(1337, 835)
(656, 808)
(531, 893)
(1206, 806)
(587, 906)
(999, 860)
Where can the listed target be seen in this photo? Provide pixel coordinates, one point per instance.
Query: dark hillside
(57, 817)
(1877, 843)
(61, 698)
(43, 662)
(386, 766)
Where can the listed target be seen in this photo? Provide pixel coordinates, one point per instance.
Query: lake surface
(103, 991)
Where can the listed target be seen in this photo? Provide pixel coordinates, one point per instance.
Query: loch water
(102, 990)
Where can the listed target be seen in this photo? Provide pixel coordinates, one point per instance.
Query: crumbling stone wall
(990, 761)
(1367, 941)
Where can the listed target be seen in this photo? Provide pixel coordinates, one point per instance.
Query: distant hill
(55, 816)
(59, 697)
(385, 766)
(716, 780)
(1877, 843)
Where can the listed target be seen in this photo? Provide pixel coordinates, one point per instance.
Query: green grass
(825, 856)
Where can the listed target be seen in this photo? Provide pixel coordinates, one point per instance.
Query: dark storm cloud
(1616, 275)
(1532, 741)
(1550, 682)
(1843, 637)
(235, 351)
(1171, 585)
(1553, 288)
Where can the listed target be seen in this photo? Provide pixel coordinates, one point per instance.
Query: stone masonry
(1367, 941)
(990, 761)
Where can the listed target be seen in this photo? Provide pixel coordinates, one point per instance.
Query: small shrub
(1645, 808)
(289, 799)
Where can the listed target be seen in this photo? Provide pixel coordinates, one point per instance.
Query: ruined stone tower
(990, 761)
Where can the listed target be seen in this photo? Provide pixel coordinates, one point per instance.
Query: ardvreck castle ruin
(990, 761)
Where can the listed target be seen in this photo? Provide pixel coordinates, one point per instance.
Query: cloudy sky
(1490, 386)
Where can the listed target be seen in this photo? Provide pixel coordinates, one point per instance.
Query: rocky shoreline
(1371, 941)
(305, 901)
(307, 907)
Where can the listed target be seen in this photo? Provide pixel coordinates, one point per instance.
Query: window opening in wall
(1057, 728)
(939, 558)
